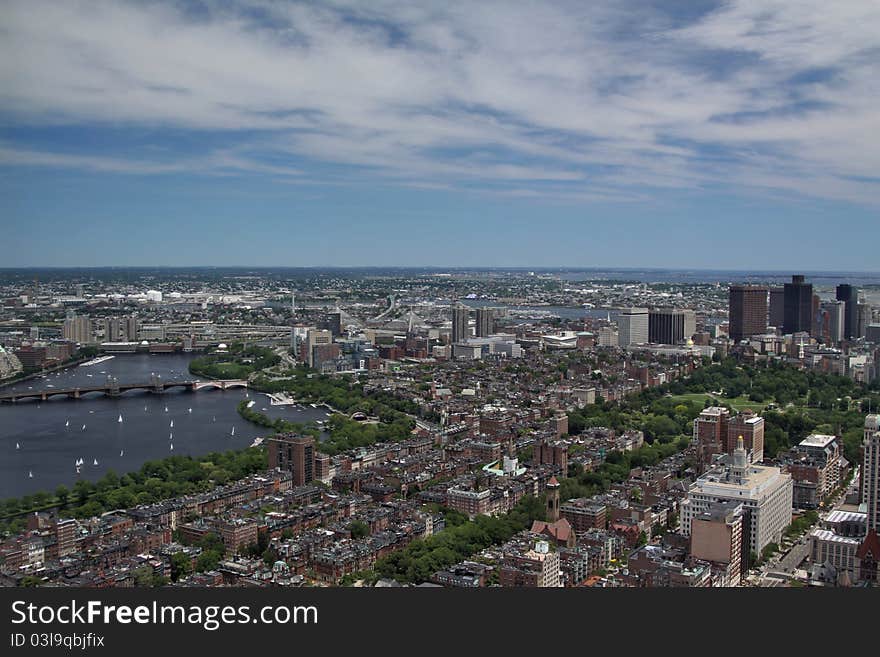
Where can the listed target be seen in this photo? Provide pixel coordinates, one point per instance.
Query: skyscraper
(776, 316)
(632, 326)
(748, 311)
(833, 315)
(850, 297)
(871, 471)
(798, 306)
(459, 323)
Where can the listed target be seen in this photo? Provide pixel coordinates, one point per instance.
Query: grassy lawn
(738, 403)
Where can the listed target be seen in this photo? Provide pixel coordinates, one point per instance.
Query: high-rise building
(748, 311)
(316, 338)
(671, 325)
(460, 323)
(608, 337)
(849, 295)
(710, 434)
(750, 427)
(485, 322)
(776, 316)
(833, 321)
(870, 474)
(863, 319)
(295, 453)
(798, 305)
(333, 323)
(77, 328)
(632, 325)
(765, 493)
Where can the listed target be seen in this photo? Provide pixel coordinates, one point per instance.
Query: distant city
(429, 427)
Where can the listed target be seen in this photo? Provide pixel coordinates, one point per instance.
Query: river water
(44, 439)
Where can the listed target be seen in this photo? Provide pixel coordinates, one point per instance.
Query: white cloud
(576, 100)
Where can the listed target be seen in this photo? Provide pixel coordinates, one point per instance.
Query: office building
(632, 325)
(776, 313)
(460, 330)
(765, 493)
(832, 321)
(671, 326)
(750, 427)
(294, 453)
(710, 434)
(608, 337)
(870, 474)
(863, 319)
(798, 305)
(316, 338)
(849, 295)
(747, 305)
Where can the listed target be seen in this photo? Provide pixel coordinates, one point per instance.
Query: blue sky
(631, 134)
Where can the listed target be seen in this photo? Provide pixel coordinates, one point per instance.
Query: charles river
(41, 441)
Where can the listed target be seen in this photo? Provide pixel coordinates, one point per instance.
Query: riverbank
(36, 375)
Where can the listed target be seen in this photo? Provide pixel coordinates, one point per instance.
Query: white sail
(189, 410)
(120, 418)
(172, 424)
(30, 474)
(170, 436)
(121, 452)
(172, 447)
(17, 446)
(67, 424)
(84, 428)
(166, 409)
(95, 462)
(233, 431)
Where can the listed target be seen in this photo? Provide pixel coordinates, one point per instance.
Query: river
(41, 441)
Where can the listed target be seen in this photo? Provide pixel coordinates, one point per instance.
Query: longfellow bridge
(113, 388)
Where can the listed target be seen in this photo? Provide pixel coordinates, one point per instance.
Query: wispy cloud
(586, 101)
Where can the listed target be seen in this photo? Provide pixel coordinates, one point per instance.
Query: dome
(222, 345)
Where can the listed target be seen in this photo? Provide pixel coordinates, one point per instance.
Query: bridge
(113, 388)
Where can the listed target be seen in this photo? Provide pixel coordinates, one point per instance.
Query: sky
(664, 133)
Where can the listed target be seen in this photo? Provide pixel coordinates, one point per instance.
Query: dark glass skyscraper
(459, 323)
(850, 297)
(798, 306)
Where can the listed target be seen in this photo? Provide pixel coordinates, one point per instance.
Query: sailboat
(84, 428)
(120, 418)
(172, 447)
(170, 436)
(78, 465)
(121, 452)
(213, 418)
(30, 474)
(233, 431)
(166, 409)
(145, 409)
(189, 410)
(95, 462)
(172, 424)
(17, 446)
(67, 424)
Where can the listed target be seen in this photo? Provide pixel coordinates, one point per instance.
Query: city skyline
(634, 135)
